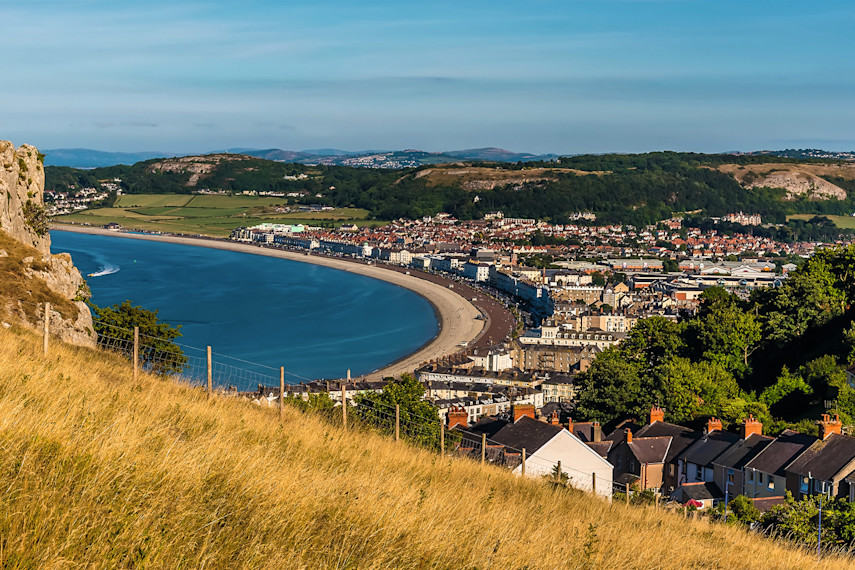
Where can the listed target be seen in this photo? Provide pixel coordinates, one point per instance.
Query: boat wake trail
(108, 270)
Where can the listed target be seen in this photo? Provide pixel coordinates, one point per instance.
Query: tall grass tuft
(98, 471)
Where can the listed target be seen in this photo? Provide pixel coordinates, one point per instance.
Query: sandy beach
(456, 315)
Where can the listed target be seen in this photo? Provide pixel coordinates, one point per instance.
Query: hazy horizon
(561, 77)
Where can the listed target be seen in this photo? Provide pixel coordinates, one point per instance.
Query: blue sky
(540, 76)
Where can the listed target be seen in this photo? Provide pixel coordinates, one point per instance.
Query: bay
(315, 321)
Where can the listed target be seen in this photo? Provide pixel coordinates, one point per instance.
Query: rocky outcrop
(32, 276)
(22, 208)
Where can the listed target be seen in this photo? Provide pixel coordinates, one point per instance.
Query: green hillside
(635, 189)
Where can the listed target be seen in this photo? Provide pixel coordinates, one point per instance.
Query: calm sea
(315, 321)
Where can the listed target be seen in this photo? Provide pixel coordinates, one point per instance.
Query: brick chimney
(458, 417)
(751, 427)
(521, 410)
(713, 425)
(657, 414)
(827, 426)
(570, 425)
(554, 418)
(628, 433)
(597, 431)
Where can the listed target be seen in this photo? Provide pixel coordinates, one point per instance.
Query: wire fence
(196, 366)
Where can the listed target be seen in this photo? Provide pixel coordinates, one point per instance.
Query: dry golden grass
(17, 283)
(844, 170)
(101, 472)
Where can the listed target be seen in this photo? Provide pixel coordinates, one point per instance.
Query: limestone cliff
(29, 275)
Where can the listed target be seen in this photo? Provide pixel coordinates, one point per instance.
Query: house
(695, 464)
(681, 439)
(546, 444)
(764, 474)
(824, 467)
(728, 468)
(640, 459)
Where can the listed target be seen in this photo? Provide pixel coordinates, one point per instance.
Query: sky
(541, 76)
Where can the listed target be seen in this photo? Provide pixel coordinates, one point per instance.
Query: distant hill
(628, 189)
(497, 155)
(88, 158)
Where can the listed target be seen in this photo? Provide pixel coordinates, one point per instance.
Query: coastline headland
(458, 318)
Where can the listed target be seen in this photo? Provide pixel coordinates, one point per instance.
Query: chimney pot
(628, 435)
(657, 414)
(713, 425)
(827, 426)
(750, 427)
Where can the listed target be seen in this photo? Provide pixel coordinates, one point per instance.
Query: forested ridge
(634, 189)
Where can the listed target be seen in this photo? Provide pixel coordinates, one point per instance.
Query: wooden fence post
(627, 494)
(136, 353)
(594, 483)
(344, 405)
(483, 447)
(441, 437)
(47, 327)
(397, 422)
(281, 392)
(523, 461)
(210, 374)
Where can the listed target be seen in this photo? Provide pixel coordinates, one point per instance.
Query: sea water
(316, 321)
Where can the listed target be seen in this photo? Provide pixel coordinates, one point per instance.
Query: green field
(842, 222)
(208, 215)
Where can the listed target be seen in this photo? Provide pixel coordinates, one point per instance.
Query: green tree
(612, 389)
(157, 351)
(419, 419)
(723, 332)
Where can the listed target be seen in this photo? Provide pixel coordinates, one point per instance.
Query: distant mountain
(333, 152)
(88, 158)
(277, 155)
(497, 155)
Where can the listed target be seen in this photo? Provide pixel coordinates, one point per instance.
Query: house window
(804, 486)
(750, 475)
(730, 476)
(699, 472)
(671, 469)
(771, 482)
(760, 478)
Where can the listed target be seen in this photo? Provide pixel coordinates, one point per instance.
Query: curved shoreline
(456, 316)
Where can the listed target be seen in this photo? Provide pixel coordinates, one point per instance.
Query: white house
(546, 444)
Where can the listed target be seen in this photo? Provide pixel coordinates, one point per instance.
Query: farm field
(842, 222)
(214, 216)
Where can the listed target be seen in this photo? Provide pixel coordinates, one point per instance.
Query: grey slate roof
(526, 433)
(682, 437)
(698, 491)
(601, 447)
(825, 458)
(781, 452)
(709, 447)
(743, 451)
(650, 449)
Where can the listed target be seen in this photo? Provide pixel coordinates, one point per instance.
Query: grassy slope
(845, 222)
(17, 283)
(208, 215)
(102, 472)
